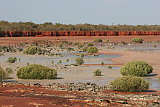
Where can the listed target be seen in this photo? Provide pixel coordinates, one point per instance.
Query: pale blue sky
(82, 11)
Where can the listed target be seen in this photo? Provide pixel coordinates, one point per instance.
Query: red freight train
(76, 33)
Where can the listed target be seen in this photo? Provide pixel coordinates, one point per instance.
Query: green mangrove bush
(97, 72)
(137, 40)
(31, 50)
(12, 59)
(92, 50)
(79, 61)
(136, 68)
(129, 84)
(36, 71)
(3, 74)
(97, 40)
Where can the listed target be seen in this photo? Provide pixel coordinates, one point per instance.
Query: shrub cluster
(92, 50)
(97, 40)
(90, 44)
(129, 84)
(9, 70)
(136, 68)
(97, 72)
(79, 61)
(36, 72)
(3, 74)
(85, 49)
(137, 40)
(31, 50)
(12, 59)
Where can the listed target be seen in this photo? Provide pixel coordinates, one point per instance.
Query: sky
(108, 12)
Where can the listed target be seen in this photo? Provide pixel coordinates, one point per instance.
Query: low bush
(136, 68)
(36, 72)
(82, 55)
(90, 44)
(92, 50)
(97, 40)
(97, 72)
(107, 41)
(109, 67)
(137, 40)
(31, 50)
(129, 84)
(9, 70)
(3, 74)
(12, 59)
(85, 49)
(79, 61)
(102, 63)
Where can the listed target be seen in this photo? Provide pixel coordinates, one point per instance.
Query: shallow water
(46, 60)
(107, 59)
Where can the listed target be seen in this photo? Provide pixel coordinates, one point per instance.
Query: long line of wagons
(75, 33)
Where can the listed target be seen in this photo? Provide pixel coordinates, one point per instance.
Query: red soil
(16, 40)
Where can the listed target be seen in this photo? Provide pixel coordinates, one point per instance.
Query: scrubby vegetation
(12, 59)
(92, 50)
(137, 40)
(31, 50)
(109, 67)
(79, 61)
(82, 55)
(3, 74)
(136, 68)
(97, 40)
(48, 26)
(85, 49)
(90, 44)
(129, 84)
(36, 72)
(97, 72)
(102, 63)
(9, 70)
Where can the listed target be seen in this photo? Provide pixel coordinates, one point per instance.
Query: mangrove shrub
(129, 84)
(36, 71)
(92, 50)
(136, 68)
(79, 61)
(137, 40)
(12, 59)
(31, 50)
(3, 74)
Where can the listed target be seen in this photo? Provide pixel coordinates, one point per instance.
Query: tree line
(48, 26)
